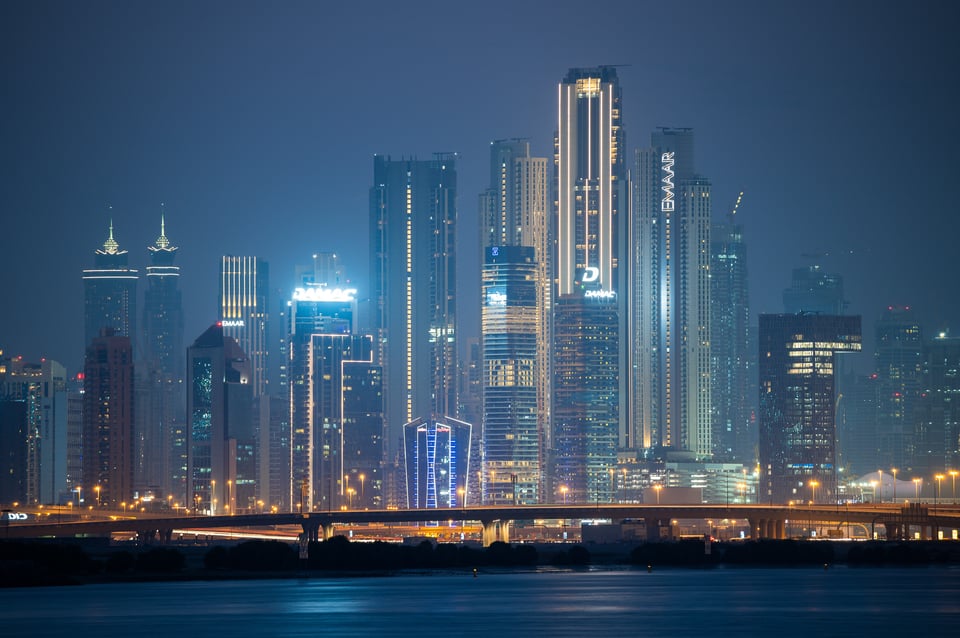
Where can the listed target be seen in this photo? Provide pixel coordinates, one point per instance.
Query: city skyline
(822, 125)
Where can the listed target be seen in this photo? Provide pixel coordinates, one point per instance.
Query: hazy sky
(255, 123)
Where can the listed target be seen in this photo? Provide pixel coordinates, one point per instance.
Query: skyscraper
(110, 293)
(41, 388)
(586, 412)
(511, 440)
(514, 212)
(362, 434)
(591, 242)
(222, 472)
(814, 290)
(108, 418)
(413, 213)
(899, 364)
(733, 362)
(314, 311)
(162, 437)
(671, 403)
(798, 434)
(245, 312)
(936, 446)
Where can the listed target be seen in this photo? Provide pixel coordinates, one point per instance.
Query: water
(719, 602)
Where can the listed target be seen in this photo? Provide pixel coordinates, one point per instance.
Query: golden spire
(111, 247)
(162, 241)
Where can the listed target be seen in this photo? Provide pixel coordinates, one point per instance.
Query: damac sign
(666, 163)
(590, 273)
(14, 516)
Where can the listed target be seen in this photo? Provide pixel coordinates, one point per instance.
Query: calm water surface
(724, 602)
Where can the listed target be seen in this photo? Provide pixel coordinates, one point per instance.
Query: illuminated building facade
(41, 388)
(670, 330)
(413, 216)
(313, 311)
(511, 441)
(361, 385)
(899, 359)
(798, 434)
(162, 452)
(436, 454)
(108, 418)
(245, 312)
(936, 446)
(589, 322)
(110, 293)
(733, 394)
(585, 398)
(222, 472)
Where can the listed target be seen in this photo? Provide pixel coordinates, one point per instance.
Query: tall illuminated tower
(511, 441)
(798, 433)
(163, 454)
(413, 213)
(733, 368)
(590, 179)
(899, 361)
(514, 213)
(244, 311)
(110, 293)
(670, 299)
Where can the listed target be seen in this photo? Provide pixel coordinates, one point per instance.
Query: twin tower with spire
(156, 359)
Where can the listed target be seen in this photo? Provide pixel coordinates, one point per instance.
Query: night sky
(255, 123)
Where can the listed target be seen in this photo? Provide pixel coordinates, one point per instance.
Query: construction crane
(733, 213)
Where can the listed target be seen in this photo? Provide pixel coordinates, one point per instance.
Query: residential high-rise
(313, 311)
(362, 434)
(514, 212)
(585, 391)
(273, 432)
(899, 367)
(245, 312)
(110, 293)
(222, 471)
(733, 362)
(936, 446)
(591, 242)
(511, 441)
(41, 388)
(798, 434)
(413, 216)
(162, 452)
(671, 402)
(108, 418)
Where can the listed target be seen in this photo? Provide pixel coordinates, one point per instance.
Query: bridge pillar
(147, 536)
(780, 529)
(770, 530)
(893, 530)
(494, 531)
(311, 530)
(328, 531)
(166, 536)
(754, 528)
(653, 530)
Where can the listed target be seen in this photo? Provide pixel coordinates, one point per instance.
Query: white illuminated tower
(670, 299)
(590, 179)
(244, 311)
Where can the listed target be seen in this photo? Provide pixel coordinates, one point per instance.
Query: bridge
(765, 521)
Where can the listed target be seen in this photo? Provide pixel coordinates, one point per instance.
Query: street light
(916, 486)
(657, 488)
(362, 478)
(939, 478)
(230, 495)
(96, 488)
(563, 490)
(813, 483)
(350, 493)
(213, 496)
(894, 472)
(953, 479)
(880, 476)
